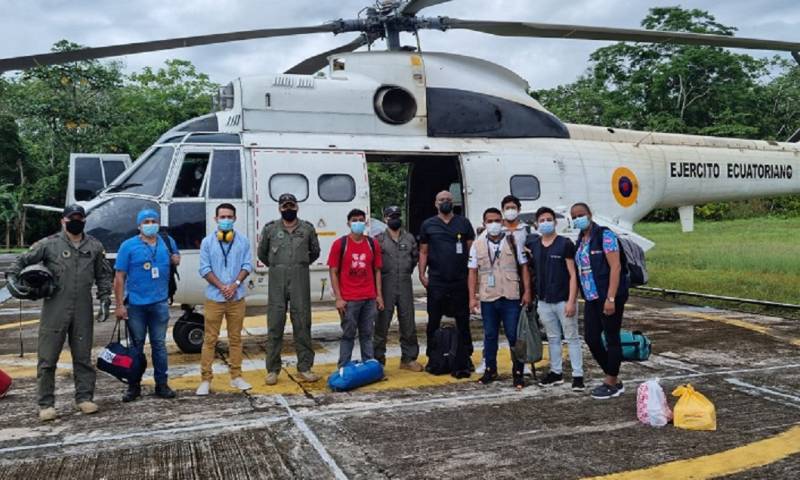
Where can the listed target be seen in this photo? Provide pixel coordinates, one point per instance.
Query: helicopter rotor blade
(525, 29)
(412, 7)
(313, 64)
(31, 61)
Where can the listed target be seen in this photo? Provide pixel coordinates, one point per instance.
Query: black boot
(163, 391)
(134, 392)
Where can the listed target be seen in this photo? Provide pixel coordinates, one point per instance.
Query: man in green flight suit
(288, 246)
(76, 260)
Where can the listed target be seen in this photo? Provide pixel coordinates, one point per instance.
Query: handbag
(122, 361)
(528, 347)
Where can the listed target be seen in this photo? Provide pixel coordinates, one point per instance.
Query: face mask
(149, 229)
(358, 227)
(75, 227)
(511, 214)
(394, 223)
(289, 215)
(446, 207)
(494, 229)
(546, 227)
(581, 223)
(225, 224)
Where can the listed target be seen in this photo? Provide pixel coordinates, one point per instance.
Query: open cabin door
(327, 184)
(91, 172)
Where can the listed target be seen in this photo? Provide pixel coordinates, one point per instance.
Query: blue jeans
(151, 319)
(493, 313)
(555, 323)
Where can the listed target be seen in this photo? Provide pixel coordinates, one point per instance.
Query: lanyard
(224, 253)
(493, 259)
(152, 251)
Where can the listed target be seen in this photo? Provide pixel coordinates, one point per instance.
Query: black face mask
(446, 207)
(394, 223)
(75, 227)
(289, 215)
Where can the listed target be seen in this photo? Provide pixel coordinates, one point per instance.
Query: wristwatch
(610, 299)
(238, 282)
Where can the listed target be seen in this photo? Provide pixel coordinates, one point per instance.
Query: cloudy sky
(32, 26)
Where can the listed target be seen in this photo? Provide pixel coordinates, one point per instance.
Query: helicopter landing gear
(188, 330)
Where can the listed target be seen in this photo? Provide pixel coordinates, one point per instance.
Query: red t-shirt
(357, 275)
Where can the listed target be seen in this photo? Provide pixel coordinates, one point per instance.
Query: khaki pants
(234, 318)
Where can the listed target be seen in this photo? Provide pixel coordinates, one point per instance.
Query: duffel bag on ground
(635, 345)
(5, 383)
(355, 374)
(121, 361)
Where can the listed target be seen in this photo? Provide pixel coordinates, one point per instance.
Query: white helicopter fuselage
(459, 123)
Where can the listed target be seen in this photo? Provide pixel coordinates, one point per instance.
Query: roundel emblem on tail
(625, 186)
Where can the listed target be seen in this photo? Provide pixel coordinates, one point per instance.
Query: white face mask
(494, 229)
(511, 214)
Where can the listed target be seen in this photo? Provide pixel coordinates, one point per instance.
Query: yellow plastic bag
(694, 411)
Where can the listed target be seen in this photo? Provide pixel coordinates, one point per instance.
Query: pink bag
(651, 404)
(5, 383)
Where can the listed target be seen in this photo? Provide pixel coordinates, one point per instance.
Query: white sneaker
(240, 383)
(527, 370)
(481, 367)
(203, 389)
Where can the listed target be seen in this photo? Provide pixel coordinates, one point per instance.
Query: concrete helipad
(417, 425)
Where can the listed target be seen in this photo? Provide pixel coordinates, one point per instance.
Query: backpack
(636, 347)
(174, 276)
(343, 241)
(631, 256)
(442, 359)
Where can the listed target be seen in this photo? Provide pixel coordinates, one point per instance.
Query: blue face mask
(358, 227)
(581, 223)
(225, 224)
(546, 227)
(149, 229)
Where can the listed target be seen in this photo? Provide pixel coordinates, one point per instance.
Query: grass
(13, 250)
(755, 258)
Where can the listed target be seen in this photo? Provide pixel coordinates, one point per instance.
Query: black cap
(72, 210)
(392, 211)
(286, 198)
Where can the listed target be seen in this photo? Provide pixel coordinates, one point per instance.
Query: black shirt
(445, 263)
(550, 267)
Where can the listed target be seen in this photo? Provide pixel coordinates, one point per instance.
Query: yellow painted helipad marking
(736, 322)
(9, 326)
(746, 457)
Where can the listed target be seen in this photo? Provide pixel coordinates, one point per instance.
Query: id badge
(154, 273)
(490, 281)
(459, 248)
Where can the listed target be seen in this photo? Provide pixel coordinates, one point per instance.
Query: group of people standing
(504, 269)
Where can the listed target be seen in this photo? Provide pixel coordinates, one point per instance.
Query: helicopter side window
(187, 224)
(336, 187)
(525, 187)
(295, 183)
(225, 180)
(190, 178)
(88, 178)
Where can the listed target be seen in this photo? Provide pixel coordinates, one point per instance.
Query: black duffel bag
(121, 361)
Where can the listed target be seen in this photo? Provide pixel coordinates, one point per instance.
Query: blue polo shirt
(226, 260)
(137, 259)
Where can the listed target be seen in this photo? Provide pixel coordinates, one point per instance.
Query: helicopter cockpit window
(525, 187)
(88, 178)
(149, 176)
(173, 138)
(336, 188)
(225, 180)
(190, 178)
(113, 169)
(214, 138)
(295, 183)
(114, 221)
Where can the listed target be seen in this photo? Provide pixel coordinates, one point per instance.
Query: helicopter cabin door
(327, 184)
(91, 172)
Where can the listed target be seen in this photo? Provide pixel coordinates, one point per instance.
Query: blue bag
(120, 361)
(355, 374)
(636, 346)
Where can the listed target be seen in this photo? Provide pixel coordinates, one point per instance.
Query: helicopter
(459, 123)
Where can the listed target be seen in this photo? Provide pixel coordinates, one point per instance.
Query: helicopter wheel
(188, 332)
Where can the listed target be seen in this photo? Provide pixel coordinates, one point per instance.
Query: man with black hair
(355, 271)
(288, 246)
(511, 206)
(553, 267)
(444, 244)
(225, 262)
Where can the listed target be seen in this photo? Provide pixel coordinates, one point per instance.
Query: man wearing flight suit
(400, 255)
(76, 260)
(288, 246)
